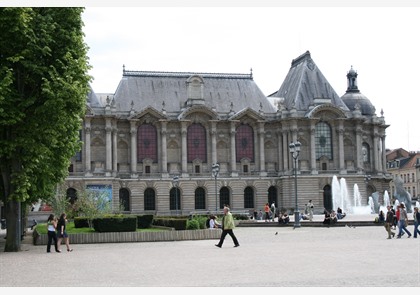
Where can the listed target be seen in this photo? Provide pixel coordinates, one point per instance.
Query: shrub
(115, 223)
(144, 221)
(193, 224)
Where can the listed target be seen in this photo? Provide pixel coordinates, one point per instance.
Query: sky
(380, 42)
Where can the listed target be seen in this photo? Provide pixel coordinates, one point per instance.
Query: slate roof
(153, 89)
(304, 83)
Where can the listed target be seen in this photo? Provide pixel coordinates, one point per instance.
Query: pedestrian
(227, 228)
(310, 210)
(52, 235)
(62, 234)
(403, 221)
(267, 212)
(213, 222)
(394, 220)
(273, 211)
(389, 221)
(416, 216)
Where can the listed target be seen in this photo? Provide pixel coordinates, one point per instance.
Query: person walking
(389, 220)
(273, 211)
(310, 210)
(52, 235)
(267, 212)
(403, 222)
(416, 216)
(62, 234)
(227, 228)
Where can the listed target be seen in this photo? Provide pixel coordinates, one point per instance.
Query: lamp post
(294, 151)
(175, 182)
(215, 172)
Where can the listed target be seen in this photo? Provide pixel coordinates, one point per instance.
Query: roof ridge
(185, 74)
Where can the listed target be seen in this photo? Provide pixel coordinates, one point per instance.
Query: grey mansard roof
(304, 83)
(168, 90)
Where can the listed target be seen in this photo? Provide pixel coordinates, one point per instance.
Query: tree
(43, 89)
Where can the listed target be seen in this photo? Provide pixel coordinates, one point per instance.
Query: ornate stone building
(161, 126)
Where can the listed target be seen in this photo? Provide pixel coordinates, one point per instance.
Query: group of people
(57, 232)
(399, 218)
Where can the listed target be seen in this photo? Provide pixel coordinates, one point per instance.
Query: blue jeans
(401, 225)
(416, 229)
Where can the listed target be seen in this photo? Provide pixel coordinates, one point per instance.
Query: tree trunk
(13, 223)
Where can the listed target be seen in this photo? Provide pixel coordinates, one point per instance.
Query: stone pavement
(268, 257)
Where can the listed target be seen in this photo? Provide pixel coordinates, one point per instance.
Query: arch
(244, 138)
(200, 198)
(272, 195)
(175, 199)
(124, 199)
(224, 197)
(196, 143)
(323, 140)
(149, 199)
(248, 197)
(146, 142)
(328, 203)
(71, 195)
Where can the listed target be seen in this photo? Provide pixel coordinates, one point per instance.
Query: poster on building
(100, 192)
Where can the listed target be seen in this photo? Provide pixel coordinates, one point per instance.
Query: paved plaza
(268, 257)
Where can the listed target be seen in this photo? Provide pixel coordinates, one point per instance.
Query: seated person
(327, 217)
(340, 214)
(214, 223)
(381, 218)
(333, 217)
(303, 216)
(284, 218)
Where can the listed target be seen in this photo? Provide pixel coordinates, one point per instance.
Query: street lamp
(175, 182)
(215, 172)
(294, 151)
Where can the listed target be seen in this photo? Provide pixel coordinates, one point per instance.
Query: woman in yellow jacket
(227, 226)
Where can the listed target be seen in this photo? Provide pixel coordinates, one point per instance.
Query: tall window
(174, 199)
(147, 143)
(366, 153)
(224, 197)
(71, 194)
(249, 197)
(200, 198)
(196, 141)
(149, 199)
(272, 195)
(244, 143)
(323, 142)
(124, 199)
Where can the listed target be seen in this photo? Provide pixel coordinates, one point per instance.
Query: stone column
(375, 150)
(164, 148)
(279, 151)
(213, 133)
(108, 164)
(284, 133)
(383, 155)
(114, 150)
(184, 151)
(313, 149)
(133, 148)
(341, 147)
(88, 167)
(359, 159)
(261, 133)
(233, 171)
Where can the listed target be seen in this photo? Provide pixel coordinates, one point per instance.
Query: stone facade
(161, 125)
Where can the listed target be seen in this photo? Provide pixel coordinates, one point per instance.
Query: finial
(382, 112)
(251, 73)
(123, 68)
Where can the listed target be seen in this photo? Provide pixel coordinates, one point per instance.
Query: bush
(144, 221)
(193, 224)
(176, 223)
(116, 223)
(80, 222)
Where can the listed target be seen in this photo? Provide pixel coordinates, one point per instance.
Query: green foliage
(193, 224)
(144, 221)
(115, 224)
(176, 223)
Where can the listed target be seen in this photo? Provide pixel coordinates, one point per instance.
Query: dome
(357, 99)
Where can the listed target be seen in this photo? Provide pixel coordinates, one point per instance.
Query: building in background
(152, 144)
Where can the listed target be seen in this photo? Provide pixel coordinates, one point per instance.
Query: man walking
(227, 226)
(389, 220)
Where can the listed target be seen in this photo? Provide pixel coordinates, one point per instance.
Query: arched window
(196, 141)
(366, 153)
(124, 197)
(200, 198)
(323, 141)
(71, 194)
(149, 199)
(147, 143)
(244, 143)
(224, 197)
(272, 195)
(248, 197)
(174, 199)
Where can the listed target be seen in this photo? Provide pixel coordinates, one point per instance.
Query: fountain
(341, 198)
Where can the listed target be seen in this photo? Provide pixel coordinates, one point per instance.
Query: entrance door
(328, 204)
